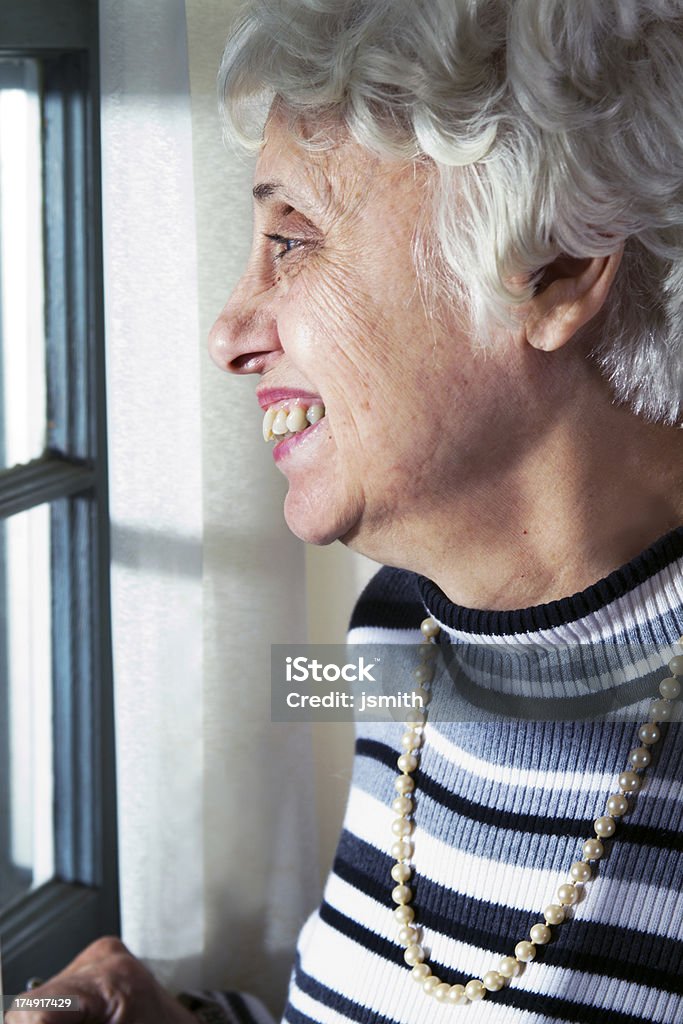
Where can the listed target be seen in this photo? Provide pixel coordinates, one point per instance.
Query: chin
(314, 522)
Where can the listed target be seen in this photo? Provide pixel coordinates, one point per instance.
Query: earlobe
(571, 294)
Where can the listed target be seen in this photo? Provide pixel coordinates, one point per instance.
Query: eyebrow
(265, 190)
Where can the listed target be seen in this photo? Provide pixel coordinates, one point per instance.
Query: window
(58, 866)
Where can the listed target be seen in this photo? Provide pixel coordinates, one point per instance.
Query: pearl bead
(422, 696)
(402, 805)
(401, 872)
(660, 711)
(640, 757)
(457, 995)
(408, 936)
(404, 914)
(493, 981)
(424, 673)
(554, 914)
(525, 951)
(402, 894)
(670, 688)
(540, 934)
(580, 871)
(402, 827)
(416, 716)
(421, 971)
(604, 827)
(617, 805)
(509, 967)
(430, 984)
(567, 894)
(474, 990)
(593, 849)
(648, 733)
(442, 992)
(402, 850)
(414, 955)
(427, 650)
(629, 782)
(410, 741)
(676, 665)
(404, 784)
(429, 627)
(407, 763)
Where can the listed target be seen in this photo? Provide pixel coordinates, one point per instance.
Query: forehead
(319, 181)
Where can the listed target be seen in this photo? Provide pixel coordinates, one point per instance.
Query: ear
(570, 293)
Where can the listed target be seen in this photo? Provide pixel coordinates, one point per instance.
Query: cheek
(367, 362)
(329, 326)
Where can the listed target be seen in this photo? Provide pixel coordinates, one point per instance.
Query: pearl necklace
(629, 782)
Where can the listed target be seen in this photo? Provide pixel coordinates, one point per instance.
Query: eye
(284, 245)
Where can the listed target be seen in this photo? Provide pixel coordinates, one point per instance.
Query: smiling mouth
(282, 421)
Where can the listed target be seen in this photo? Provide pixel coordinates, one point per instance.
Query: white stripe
(367, 979)
(528, 888)
(382, 635)
(509, 775)
(556, 782)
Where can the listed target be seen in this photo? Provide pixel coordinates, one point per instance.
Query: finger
(100, 949)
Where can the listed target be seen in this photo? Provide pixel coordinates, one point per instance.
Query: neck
(597, 492)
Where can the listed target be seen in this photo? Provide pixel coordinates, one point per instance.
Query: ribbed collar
(638, 599)
(609, 639)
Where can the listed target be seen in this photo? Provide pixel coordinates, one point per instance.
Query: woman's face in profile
(330, 306)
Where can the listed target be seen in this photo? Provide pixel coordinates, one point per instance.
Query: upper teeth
(280, 422)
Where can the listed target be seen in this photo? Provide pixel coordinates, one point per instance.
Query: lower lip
(283, 448)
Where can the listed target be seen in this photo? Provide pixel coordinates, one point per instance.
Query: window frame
(44, 928)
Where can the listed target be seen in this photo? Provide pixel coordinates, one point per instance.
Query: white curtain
(218, 825)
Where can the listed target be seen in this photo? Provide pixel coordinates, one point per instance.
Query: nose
(244, 338)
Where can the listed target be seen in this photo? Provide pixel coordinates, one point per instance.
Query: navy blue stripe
(534, 824)
(565, 1010)
(390, 600)
(294, 1016)
(589, 946)
(556, 613)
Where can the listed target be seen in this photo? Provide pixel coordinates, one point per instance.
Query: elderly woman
(464, 307)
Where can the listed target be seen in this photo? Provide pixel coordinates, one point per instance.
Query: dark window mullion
(67, 206)
(77, 755)
(40, 481)
(39, 931)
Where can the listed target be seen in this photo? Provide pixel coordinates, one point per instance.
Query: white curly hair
(557, 124)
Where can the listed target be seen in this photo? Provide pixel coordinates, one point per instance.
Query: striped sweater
(507, 790)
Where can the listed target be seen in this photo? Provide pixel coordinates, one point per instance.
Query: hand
(113, 987)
